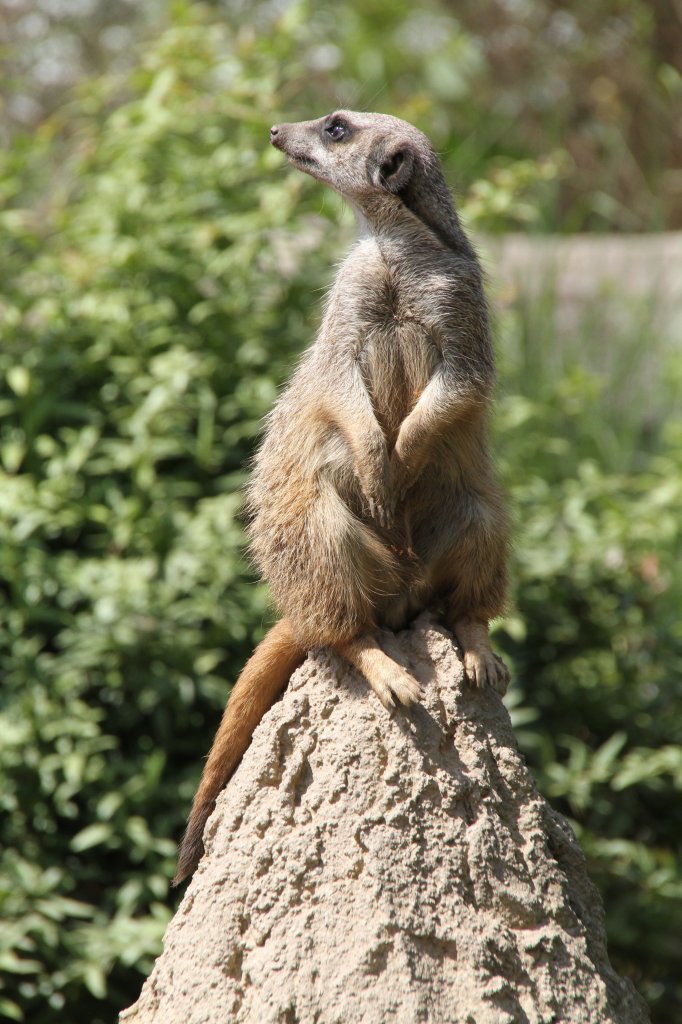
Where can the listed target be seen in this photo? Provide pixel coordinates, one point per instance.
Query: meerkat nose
(276, 136)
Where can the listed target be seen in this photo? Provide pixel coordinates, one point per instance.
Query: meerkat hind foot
(388, 679)
(484, 668)
(481, 666)
(396, 681)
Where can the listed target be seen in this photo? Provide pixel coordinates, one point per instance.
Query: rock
(363, 868)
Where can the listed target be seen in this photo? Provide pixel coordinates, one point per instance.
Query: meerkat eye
(336, 130)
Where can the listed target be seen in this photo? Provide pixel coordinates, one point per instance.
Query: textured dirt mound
(367, 867)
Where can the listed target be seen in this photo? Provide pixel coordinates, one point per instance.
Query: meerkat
(373, 495)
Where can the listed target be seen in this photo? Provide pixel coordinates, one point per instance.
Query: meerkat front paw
(375, 482)
(404, 474)
(483, 668)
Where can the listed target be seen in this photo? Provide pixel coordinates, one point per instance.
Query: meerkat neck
(394, 215)
(429, 199)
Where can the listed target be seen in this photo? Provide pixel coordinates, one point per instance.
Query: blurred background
(161, 269)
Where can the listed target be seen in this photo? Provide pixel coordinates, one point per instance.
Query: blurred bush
(160, 266)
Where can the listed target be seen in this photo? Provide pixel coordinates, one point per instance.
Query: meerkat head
(356, 154)
(377, 162)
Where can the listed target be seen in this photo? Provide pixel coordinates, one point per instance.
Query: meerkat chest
(390, 316)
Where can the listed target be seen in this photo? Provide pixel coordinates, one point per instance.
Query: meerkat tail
(265, 674)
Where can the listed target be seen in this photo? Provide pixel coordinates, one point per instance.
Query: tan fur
(265, 674)
(373, 494)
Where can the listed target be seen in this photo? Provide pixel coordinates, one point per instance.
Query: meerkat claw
(380, 513)
(384, 694)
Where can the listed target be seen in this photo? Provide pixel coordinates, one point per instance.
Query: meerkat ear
(393, 167)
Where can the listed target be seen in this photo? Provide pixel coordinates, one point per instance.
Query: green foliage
(596, 648)
(158, 268)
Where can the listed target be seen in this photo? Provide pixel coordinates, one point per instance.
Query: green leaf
(91, 835)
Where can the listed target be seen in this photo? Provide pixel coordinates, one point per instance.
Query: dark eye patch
(336, 131)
